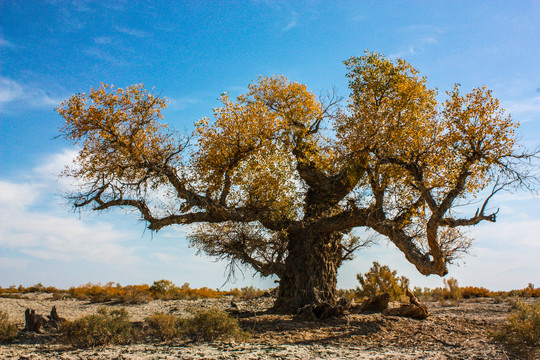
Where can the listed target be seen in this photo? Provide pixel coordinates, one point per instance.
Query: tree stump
(37, 323)
(55, 320)
(32, 321)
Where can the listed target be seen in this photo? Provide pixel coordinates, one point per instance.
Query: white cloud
(17, 195)
(524, 109)
(32, 223)
(56, 163)
(14, 92)
(9, 90)
(179, 103)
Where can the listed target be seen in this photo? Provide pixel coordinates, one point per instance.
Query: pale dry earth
(451, 332)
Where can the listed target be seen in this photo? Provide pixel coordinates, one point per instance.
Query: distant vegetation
(131, 294)
(377, 280)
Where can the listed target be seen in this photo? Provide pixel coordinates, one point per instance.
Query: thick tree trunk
(310, 273)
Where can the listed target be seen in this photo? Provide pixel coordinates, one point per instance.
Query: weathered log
(413, 310)
(376, 303)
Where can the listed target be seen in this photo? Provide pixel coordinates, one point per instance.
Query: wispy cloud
(102, 40)
(179, 103)
(293, 22)
(10, 90)
(14, 92)
(419, 46)
(132, 31)
(104, 55)
(526, 108)
(5, 43)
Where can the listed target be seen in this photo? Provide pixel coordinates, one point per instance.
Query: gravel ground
(451, 332)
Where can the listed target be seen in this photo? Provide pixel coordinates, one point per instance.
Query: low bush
(521, 332)
(213, 324)
(163, 326)
(8, 330)
(381, 279)
(452, 290)
(469, 292)
(135, 294)
(104, 328)
(246, 293)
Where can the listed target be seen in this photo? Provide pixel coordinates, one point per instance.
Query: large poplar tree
(277, 180)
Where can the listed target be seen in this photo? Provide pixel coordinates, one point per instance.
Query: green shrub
(163, 326)
(521, 332)
(8, 330)
(211, 325)
(105, 327)
(381, 279)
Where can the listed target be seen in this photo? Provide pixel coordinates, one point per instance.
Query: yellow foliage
(118, 130)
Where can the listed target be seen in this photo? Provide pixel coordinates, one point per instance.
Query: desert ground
(452, 331)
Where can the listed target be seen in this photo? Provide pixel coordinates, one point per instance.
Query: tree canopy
(278, 179)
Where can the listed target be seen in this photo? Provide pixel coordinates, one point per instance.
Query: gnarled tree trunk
(310, 272)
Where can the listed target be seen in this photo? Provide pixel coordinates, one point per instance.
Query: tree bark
(310, 272)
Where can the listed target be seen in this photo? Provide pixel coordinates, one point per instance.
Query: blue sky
(191, 52)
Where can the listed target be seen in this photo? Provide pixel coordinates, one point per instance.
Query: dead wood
(37, 323)
(413, 310)
(376, 303)
(323, 310)
(32, 321)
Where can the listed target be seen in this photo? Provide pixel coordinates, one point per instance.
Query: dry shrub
(105, 327)
(167, 290)
(136, 294)
(381, 279)
(163, 326)
(469, 292)
(162, 288)
(521, 332)
(246, 293)
(96, 292)
(452, 289)
(8, 330)
(213, 324)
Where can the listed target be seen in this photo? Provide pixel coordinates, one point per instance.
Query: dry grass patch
(8, 330)
(103, 328)
(521, 332)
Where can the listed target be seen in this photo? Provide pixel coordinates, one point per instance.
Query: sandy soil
(451, 332)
